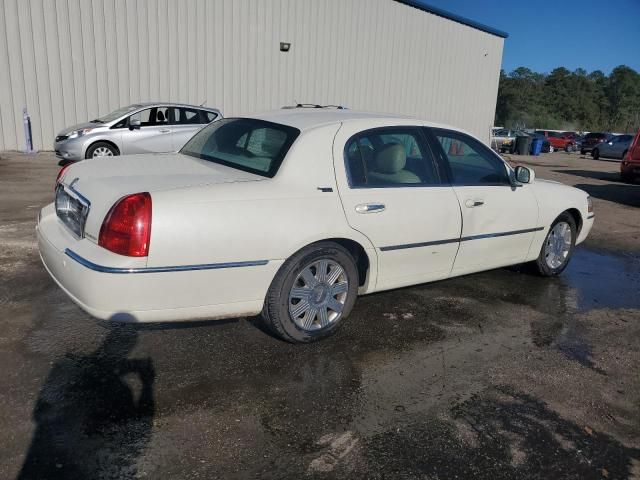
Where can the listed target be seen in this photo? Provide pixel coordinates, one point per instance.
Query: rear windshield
(247, 144)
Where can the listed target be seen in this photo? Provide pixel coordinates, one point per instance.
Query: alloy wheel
(102, 152)
(318, 295)
(558, 245)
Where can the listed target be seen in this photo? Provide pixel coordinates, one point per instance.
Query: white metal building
(69, 61)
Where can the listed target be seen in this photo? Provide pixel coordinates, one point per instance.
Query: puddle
(603, 280)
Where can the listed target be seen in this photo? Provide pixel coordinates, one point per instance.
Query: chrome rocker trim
(178, 268)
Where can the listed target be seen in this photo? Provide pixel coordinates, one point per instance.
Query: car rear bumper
(133, 292)
(630, 169)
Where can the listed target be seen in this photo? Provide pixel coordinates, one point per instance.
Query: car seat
(389, 166)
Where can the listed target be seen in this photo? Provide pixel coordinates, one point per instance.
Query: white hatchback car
(293, 214)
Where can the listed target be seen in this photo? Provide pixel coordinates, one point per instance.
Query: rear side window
(471, 162)
(186, 116)
(247, 144)
(209, 116)
(390, 157)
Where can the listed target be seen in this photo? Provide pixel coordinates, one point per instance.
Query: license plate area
(72, 211)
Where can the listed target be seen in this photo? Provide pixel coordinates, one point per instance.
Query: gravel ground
(496, 375)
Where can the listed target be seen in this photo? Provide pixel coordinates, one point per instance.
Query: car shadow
(619, 193)
(604, 176)
(94, 413)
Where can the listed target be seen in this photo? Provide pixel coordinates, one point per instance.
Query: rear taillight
(126, 229)
(61, 173)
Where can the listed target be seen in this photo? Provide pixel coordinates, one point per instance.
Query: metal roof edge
(452, 16)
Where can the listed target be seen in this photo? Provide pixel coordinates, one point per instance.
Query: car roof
(172, 104)
(308, 118)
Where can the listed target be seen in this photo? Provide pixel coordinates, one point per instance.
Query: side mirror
(134, 124)
(525, 175)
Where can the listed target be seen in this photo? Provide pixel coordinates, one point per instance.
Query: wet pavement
(501, 374)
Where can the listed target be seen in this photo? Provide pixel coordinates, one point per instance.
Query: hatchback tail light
(126, 229)
(61, 173)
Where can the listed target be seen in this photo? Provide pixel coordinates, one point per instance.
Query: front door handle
(164, 130)
(474, 203)
(370, 207)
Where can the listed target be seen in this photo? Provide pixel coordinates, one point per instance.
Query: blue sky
(545, 34)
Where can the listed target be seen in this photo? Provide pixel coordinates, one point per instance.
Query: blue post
(26, 121)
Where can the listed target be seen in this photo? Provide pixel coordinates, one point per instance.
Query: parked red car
(630, 166)
(560, 140)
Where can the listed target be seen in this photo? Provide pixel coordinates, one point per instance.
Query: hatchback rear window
(247, 144)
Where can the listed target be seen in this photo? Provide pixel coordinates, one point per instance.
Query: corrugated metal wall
(72, 60)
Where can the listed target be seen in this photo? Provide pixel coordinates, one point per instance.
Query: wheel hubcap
(558, 245)
(318, 295)
(102, 152)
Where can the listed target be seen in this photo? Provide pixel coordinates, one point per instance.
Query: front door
(394, 191)
(154, 134)
(499, 220)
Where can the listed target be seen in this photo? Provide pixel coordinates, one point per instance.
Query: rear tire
(595, 154)
(102, 149)
(558, 246)
(302, 305)
(569, 148)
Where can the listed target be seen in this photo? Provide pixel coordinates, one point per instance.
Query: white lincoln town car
(292, 214)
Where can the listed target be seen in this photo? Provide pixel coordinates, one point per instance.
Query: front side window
(471, 162)
(389, 157)
(146, 117)
(247, 144)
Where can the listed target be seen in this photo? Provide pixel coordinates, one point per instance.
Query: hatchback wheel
(595, 154)
(569, 148)
(102, 149)
(557, 247)
(312, 293)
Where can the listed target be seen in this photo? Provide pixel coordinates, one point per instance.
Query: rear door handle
(474, 203)
(165, 130)
(370, 207)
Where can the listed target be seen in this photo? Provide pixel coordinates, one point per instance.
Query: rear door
(185, 123)
(499, 221)
(154, 134)
(620, 145)
(394, 191)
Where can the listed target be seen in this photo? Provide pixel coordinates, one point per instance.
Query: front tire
(312, 293)
(102, 149)
(558, 246)
(595, 154)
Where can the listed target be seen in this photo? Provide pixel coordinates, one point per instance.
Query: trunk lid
(100, 182)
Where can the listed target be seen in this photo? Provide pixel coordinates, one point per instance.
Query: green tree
(567, 100)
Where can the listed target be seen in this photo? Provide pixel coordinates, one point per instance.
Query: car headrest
(391, 159)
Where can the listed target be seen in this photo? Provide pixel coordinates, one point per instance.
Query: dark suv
(592, 140)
